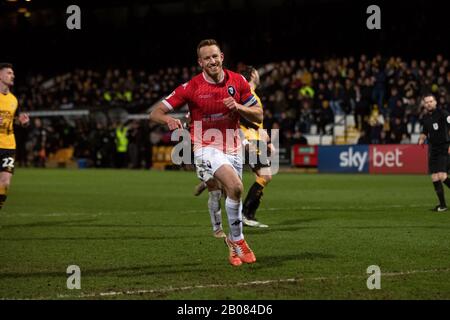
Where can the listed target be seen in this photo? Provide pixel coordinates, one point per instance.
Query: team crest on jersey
(231, 91)
(435, 126)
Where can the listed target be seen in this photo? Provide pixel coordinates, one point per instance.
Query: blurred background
(325, 78)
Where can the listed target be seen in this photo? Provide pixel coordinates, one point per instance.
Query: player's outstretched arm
(159, 115)
(252, 114)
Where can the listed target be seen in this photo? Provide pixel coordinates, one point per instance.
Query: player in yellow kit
(256, 140)
(8, 111)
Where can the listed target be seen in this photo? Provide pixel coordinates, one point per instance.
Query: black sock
(447, 182)
(2, 200)
(440, 193)
(252, 201)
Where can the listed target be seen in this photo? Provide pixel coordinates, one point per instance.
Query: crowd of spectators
(383, 94)
(95, 142)
(134, 90)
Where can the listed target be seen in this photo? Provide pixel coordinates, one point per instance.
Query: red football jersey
(207, 110)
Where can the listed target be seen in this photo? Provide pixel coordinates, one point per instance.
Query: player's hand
(251, 147)
(174, 124)
(270, 149)
(24, 119)
(421, 143)
(263, 135)
(231, 104)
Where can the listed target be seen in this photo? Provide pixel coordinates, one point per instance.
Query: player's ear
(199, 60)
(221, 56)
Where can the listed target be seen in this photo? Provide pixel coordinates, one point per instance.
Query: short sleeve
(247, 97)
(446, 115)
(178, 98)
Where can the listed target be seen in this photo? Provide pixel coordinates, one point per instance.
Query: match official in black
(435, 126)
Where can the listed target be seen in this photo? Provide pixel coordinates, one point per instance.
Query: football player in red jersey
(216, 98)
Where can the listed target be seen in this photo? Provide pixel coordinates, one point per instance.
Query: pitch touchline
(242, 284)
(198, 211)
(331, 208)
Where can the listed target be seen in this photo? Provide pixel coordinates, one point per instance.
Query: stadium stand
(345, 100)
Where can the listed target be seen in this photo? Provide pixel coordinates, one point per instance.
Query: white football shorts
(209, 159)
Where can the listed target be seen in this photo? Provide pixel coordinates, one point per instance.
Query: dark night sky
(161, 33)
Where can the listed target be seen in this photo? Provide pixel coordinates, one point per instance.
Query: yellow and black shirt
(8, 109)
(250, 129)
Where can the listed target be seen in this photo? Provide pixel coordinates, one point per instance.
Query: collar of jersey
(212, 82)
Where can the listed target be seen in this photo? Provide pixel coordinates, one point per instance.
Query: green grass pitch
(143, 235)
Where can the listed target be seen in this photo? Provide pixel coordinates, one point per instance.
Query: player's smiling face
(7, 76)
(210, 59)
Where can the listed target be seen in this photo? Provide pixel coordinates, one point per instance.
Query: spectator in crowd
(376, 123)
(324, 117)
(39, 141)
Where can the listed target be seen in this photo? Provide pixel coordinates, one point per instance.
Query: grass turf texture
(144, 232)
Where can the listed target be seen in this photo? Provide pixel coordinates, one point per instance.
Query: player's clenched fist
(230, 103)
(174, 124)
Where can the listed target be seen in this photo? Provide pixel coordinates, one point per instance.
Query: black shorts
(257, 155)
(7, 157)
(438, 158)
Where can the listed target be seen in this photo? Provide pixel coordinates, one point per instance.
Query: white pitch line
(244, 284)
(63, 214)
(171, 289)
(330, 208)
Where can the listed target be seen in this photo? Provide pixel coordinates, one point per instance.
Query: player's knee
(267, 178)
(235, 191)
(212, 185)
(5, 182)
(263, 179)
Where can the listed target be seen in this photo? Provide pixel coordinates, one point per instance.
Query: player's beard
(430, 110)
(7, 83)
(214, 72)
(4, 87)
